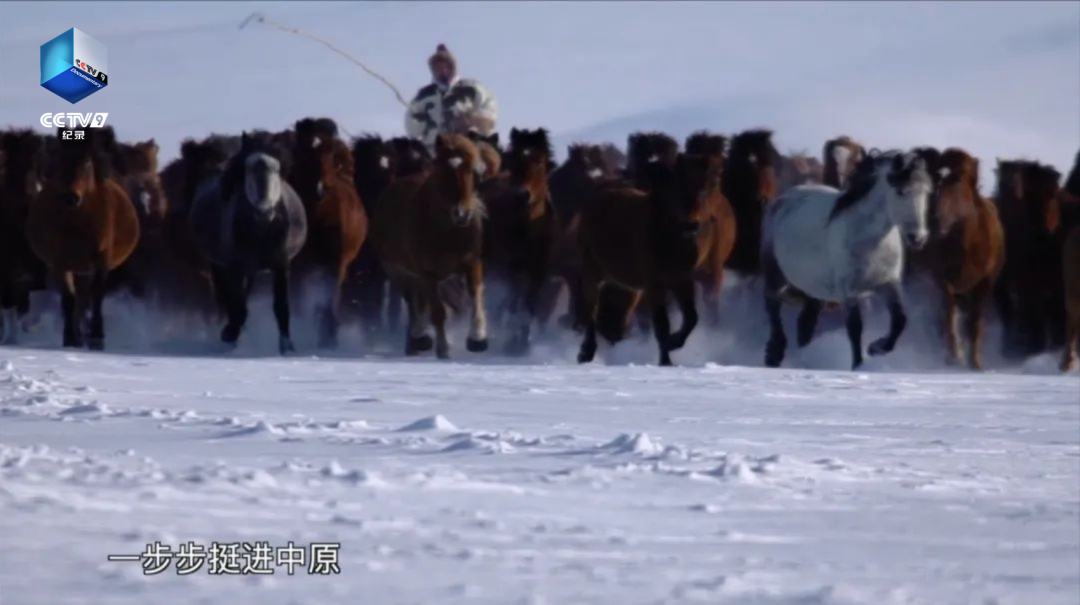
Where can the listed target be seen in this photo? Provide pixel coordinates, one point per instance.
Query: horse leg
(808, 319)
(437, 309)
(661, 324)
(952, 341)
(975, 323)
(281, 307)
(684, 296)
(854, 332)
(230, 288)
(589, 301)
(329, 312)
(774, 283)
(894, 299)
(97, 321)
(478, 337)
(394, 298)
(72, 318)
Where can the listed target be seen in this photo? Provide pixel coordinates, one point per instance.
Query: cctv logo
(73, 65)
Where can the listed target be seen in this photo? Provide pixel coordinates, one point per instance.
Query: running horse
(710, 275)
(966, 250)
(428, 229)
(337, 224)
(750, 185)
(843, 246)
(650, 242)
(245, 221)
(83, 224)
(1069, 213)
(521, 229)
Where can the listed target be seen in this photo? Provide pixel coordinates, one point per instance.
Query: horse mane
(641, 146)
(960, 162)
(758, 142)
(533, 139)
(412, 156)
(232, 178)
(863, 181)
(703, 142)
(317, 127)
(613, 157)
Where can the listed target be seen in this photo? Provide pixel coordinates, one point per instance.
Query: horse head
(681, 193)
(956, 177)
(751, 166)
(454, 174)
(587, 161)
(138, 167)
(82, 165)
(412, 156)
(1042, 186)
(254, 174)
(645, 148)
(841, 156)
(529, 161)
(313, 154)
(908, 191)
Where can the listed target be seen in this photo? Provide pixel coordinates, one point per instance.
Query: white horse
(828, 245)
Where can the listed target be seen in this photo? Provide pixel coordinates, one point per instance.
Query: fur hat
(442, 54)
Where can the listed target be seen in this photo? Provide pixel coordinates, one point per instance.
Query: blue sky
(997, 78)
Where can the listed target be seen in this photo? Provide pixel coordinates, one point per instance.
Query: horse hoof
(230, 334)
(880, 347)
(586, 355)
(476, 346)
(676, 342)
(855, 365)
(285, 346)
(419, 344)
(442, 352)
(96, 343)
(665, 362)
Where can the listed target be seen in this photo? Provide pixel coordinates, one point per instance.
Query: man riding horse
(449, 104)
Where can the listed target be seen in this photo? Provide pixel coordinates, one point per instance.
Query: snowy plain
(505, 481)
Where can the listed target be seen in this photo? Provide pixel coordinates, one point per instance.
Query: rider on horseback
(449, 104)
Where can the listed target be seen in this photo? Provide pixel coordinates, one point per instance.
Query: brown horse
(521, 229)
(490, 163)
(24, 156)
(1069, 200)
(322, 176)
(967, 250)
(650, 242)
(145, 273)
(83, 223)
(749, 184)
(710, 275)
(1029, 294)
(841, 156)
(428, 228)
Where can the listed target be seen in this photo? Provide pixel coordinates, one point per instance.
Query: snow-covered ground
(538, 481)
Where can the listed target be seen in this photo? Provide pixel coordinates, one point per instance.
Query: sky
(999, 79)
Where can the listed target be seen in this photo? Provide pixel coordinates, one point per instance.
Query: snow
(538, 482)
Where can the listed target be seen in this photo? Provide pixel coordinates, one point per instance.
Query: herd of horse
(367, 226)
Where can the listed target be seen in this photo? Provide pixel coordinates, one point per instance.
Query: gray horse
(247, 220)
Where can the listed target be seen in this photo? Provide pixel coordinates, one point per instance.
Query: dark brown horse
(966, 250)
(841, 156)
(650, 242)
(322, 176)
(188, 268)
(1028, 295)
(83, 224)
(1069, 213)
(710, 275)
(377, 163)
(24, 156)
(428, 229)
(490, 164)
(571, 186)
(521, 229)
(645, 148)
(750, 183)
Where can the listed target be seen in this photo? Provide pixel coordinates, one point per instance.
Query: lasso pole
(259, 18)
